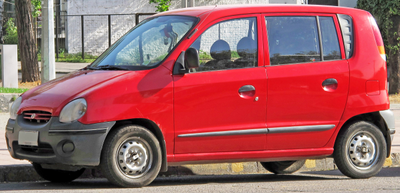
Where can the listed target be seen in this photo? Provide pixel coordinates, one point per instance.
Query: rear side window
(299, 39)
(293, 40)
(330, 42)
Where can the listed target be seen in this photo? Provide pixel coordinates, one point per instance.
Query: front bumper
(58, 143)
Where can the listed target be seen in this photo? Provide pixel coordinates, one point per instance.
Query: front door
(221, 106)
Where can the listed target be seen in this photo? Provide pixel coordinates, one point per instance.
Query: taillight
(378, 38)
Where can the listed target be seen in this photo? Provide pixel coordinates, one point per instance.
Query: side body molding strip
(300, 129)
(262, 131)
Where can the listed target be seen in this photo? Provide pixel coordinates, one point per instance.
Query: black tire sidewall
(57, 175)
(109, 163)
(341, 155)
(283, 167)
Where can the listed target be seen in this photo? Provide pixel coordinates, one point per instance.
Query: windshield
(145, 45)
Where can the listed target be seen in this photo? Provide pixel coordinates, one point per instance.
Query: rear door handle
(246, 88)
(247, 91)
(330, 84)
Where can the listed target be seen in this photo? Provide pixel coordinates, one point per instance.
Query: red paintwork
(289, 95)
(296, 97)
(209, 101)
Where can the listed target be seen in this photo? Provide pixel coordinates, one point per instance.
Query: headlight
(73, 110)
(15, 107)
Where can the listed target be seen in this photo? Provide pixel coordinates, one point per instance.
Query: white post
(48, 58)
(9, 66)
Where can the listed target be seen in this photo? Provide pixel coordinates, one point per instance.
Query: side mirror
(187, 60)
(191, 58)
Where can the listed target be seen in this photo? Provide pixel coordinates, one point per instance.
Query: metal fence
(109, 28)
(74, 33)
(103, 28)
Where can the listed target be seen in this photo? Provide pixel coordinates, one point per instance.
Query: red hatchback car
(275, 84)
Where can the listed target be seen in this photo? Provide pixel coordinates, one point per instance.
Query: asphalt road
(388, 180)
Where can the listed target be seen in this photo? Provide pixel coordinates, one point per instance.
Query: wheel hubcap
(362, 150)
(133, 158)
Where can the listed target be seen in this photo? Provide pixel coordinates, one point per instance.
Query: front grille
(37, 116)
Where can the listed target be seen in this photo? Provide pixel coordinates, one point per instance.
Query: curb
(25, 173)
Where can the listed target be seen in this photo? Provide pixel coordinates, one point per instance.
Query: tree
(387, 15)
(163, 5)
(11, 36)
(26, 41)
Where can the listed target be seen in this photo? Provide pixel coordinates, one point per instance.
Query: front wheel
(131, 156)
(360, 150)
(283, 167)
(57, 175)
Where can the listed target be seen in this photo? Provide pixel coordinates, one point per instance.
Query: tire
(283, 167)
(58, 176)
(360, 150)
(131, 156)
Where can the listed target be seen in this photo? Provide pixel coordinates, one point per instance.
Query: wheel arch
(153, 128)
(376, 119)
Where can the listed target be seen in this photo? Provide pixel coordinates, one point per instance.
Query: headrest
(220, 50)
(246, 47)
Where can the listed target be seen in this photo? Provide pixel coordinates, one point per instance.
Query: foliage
(383, 10)
(75, 58)
(11, 36)
(12, 90)
(163, 5)
(37, 7)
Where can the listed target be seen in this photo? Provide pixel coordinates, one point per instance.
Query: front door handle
(247, 91)
(330, 85)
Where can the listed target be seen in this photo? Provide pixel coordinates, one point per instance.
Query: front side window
(228, 45)
(293, 39)
(147, 44)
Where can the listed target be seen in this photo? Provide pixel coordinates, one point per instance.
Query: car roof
(225, 10)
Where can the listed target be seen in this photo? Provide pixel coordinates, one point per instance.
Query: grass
(394, 98)
(74, 58)
(12, 90)
(22, 87)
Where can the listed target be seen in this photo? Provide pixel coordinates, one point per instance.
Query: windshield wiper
(107, 67)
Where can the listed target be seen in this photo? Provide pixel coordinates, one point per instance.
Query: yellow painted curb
(237, 167)
(310, 163)
(388, 162)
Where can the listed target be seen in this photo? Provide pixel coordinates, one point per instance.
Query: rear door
(308, 80)
(221, 106)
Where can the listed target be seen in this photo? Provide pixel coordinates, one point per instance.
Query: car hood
(54, 95)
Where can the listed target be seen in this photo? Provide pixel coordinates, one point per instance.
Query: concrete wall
(348, 3)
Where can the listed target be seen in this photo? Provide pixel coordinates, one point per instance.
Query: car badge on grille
(33, 116)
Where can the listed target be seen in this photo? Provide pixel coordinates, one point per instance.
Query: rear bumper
(388, 116)
(58, 143)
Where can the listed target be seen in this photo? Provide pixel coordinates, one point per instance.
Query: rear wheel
(283, 167)
(360, 150)
(131, 157)
(57, 175)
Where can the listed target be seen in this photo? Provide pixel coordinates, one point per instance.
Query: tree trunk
(394, 56)
(26, 41)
